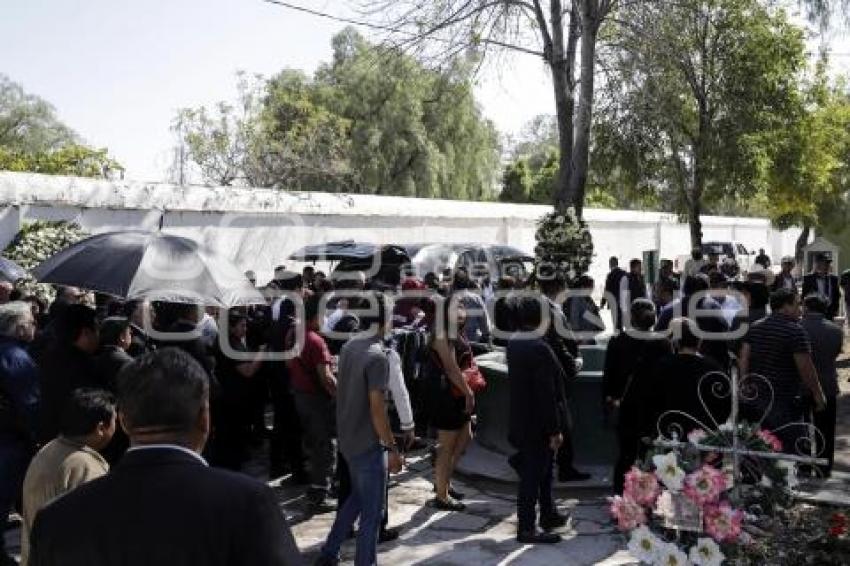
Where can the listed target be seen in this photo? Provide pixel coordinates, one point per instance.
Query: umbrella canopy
(149, 265)
(11, 271)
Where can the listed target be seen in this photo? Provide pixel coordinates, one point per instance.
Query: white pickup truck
(736, 250)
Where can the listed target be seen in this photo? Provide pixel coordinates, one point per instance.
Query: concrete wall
(259, 228)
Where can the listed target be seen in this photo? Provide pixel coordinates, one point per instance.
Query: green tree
(33, 139)
(703, 89)
(563, 34)
(72, 159)
(809, 184)
(373, 120)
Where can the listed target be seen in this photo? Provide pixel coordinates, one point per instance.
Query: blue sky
(117, 70)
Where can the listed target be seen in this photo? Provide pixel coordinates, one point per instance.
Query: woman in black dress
(450, 354)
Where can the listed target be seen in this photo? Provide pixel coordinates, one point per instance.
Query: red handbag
(473, 377)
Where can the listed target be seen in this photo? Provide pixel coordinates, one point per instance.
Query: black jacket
(108, 362)
(612, 287)
(833, 291)
(538, 402)
(63, 368)
(163, 506)
(141, 343)
(630, 376)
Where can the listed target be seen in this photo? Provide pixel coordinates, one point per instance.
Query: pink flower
(722, 522)
(697, 435)
(628, 513)
(705, 485)
(641, 487)
(770, 439)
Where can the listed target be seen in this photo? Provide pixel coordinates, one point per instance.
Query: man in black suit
(822, 282)
(612, 288)
(162, 504)
(538, 420)
(67, 363)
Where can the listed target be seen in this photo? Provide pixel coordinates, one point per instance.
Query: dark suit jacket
(108, 362)
(63, 368)
(538, 402)
(827, 339)
(810, 285)
(162, 506)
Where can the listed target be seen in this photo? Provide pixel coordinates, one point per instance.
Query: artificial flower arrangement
(564, 242)
(680, 505)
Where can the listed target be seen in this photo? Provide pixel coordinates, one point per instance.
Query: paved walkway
(483, 534)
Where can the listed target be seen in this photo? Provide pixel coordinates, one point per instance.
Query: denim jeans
(368, 473)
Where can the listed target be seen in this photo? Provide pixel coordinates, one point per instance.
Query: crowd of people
(141, 415)
(691, 330)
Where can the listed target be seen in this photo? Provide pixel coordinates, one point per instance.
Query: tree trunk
(694, 212)
(561, 65)
(802, 240)
(590, 20)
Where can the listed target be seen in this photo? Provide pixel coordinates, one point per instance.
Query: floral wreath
(36, 242)
(675, 496)
(564, 242)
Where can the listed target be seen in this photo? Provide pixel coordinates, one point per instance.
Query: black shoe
(418, 444)
(387, 535)
(450, 505)
(552, 521)
(456, 495)
(572, 475)
(323, 560)
(536, 537)
(453, 493)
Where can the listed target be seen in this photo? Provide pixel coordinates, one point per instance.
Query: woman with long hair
(452, 399)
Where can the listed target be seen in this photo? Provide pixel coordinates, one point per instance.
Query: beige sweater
(60, 466)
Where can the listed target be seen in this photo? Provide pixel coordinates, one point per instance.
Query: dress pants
(318, 418)
(535, 484)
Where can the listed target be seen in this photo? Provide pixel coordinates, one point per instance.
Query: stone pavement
(483, 534)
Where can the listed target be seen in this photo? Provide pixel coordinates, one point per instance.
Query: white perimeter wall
(259, 228)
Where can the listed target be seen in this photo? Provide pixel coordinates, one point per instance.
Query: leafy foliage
(33, 139)
(373, 120)
(699, 96)
(73, 159)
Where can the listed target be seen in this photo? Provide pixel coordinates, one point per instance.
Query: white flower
(697, 435)
(643, 545)
(706, 553)
(790, 473)
(664, 504)
(670, 555)
(726, 427)
(668, 471)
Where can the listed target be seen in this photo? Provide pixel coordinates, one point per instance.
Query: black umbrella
(11, 271)
(150, 265)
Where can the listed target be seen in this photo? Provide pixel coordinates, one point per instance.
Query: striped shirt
(773, 342)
